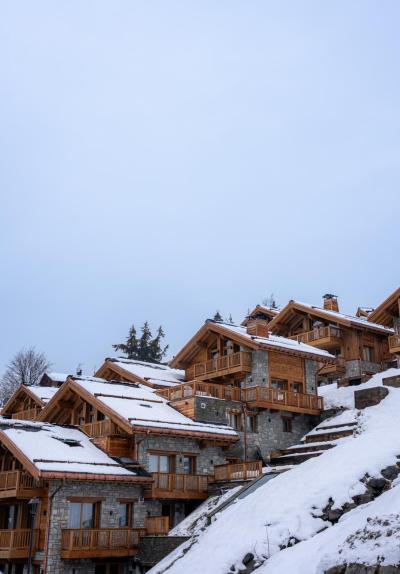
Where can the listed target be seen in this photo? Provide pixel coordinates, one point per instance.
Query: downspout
(49, 509)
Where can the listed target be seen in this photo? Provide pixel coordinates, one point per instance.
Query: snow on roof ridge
(361, 320)
(157, 366)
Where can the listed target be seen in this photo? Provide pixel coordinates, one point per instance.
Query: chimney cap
(329, 296)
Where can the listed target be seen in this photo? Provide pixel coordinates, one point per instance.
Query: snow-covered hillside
(288, 525)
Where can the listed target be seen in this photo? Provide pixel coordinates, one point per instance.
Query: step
(294, 458)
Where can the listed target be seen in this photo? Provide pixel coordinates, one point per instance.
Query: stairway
(323, 437)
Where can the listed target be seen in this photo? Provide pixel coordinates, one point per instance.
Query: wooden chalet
(388, 314)
(27, 402)
(360, 345)
(221, 361)
(131, 422)
(152, 375)
(62, 499)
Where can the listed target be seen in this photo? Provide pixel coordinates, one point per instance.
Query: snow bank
(289, 508)
(343, 397)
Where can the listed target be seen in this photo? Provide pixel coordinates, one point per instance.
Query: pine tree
(230, 319)
(218, 316)
(131, 347)
(146, 348)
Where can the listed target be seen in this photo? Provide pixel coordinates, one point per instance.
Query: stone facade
(109, 493)
(259, 370)
(358, 369)
(311, 370)
(152, 549)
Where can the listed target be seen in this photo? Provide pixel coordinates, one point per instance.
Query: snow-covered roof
(57, 377)
(283, 523)
(141, 407)
(160, 375)
(52, 448)
(278, 342)
(336, 315)
(44, 394)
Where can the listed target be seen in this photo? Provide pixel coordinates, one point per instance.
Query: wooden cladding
(394, 343)
(157, 525)
(247, 470)
(15, 543)
(221, 366)
(265, 397)
(199, 389)
(28, 414)
(291, 368)
(98, 542)
(179, 486)
(320, 336)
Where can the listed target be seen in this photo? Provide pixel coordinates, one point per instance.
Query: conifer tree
(145, 348)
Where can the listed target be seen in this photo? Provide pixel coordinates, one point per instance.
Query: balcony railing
(394, 343)
(200, 389)
(98, 542)
(28, 415)
(179, 486)
(238, 471)
(266, 397)
(339, 367)
(157, 525)
(234, 363)
(17, 483)
(319, 336)
(100, 429)
(15, 543)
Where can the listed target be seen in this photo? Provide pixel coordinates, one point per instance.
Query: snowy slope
(290, 508)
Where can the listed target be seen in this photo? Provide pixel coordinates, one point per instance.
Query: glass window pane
(74, 515)
(87, 515)
(164, 463)
(153, 463)
(123, 514)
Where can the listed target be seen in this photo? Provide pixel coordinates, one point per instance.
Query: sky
(161, 160)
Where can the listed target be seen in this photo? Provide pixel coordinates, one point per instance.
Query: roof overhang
(384, 312)
(18, 393)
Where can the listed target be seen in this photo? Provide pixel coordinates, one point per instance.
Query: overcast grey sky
(162, 159)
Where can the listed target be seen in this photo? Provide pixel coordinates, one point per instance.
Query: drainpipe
(49, 509)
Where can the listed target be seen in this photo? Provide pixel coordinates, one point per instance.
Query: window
(281, 384)
(368, 354)
(234, 420)
(251, 423)
(296, 387)
(189, 464)
(82, 514)
(287, 424)
(161, 463)
(125, 514)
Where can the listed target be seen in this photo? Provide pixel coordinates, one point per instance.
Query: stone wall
(311, 370)
(369, 397)
(357, 368)
(206, 457)
(259, 370)
(152, 549)
(59, 519)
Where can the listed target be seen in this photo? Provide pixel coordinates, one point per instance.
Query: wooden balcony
(221, 367)
(28, 415)
(199, 389)
(15, 543)
(339, 368)
(101, 429)
(100, 542)
(394, 343)
(178, 486)
(19, 484)
(324, 337)
(267, 398)
(247, 470)
(157, 525)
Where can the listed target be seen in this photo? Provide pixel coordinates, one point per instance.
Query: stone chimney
(257, 327)
(331, 302)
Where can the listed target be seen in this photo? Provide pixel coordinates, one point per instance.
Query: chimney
(331, 302)
(257, 327)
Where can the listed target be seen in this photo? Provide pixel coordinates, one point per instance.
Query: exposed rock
(248, 558)
(390, 472)
(389, 569)
(378, 484)
(360, 569)
(336, 569)
(363, 498)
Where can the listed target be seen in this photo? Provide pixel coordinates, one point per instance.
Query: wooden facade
(350, 339)
(388, 314)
